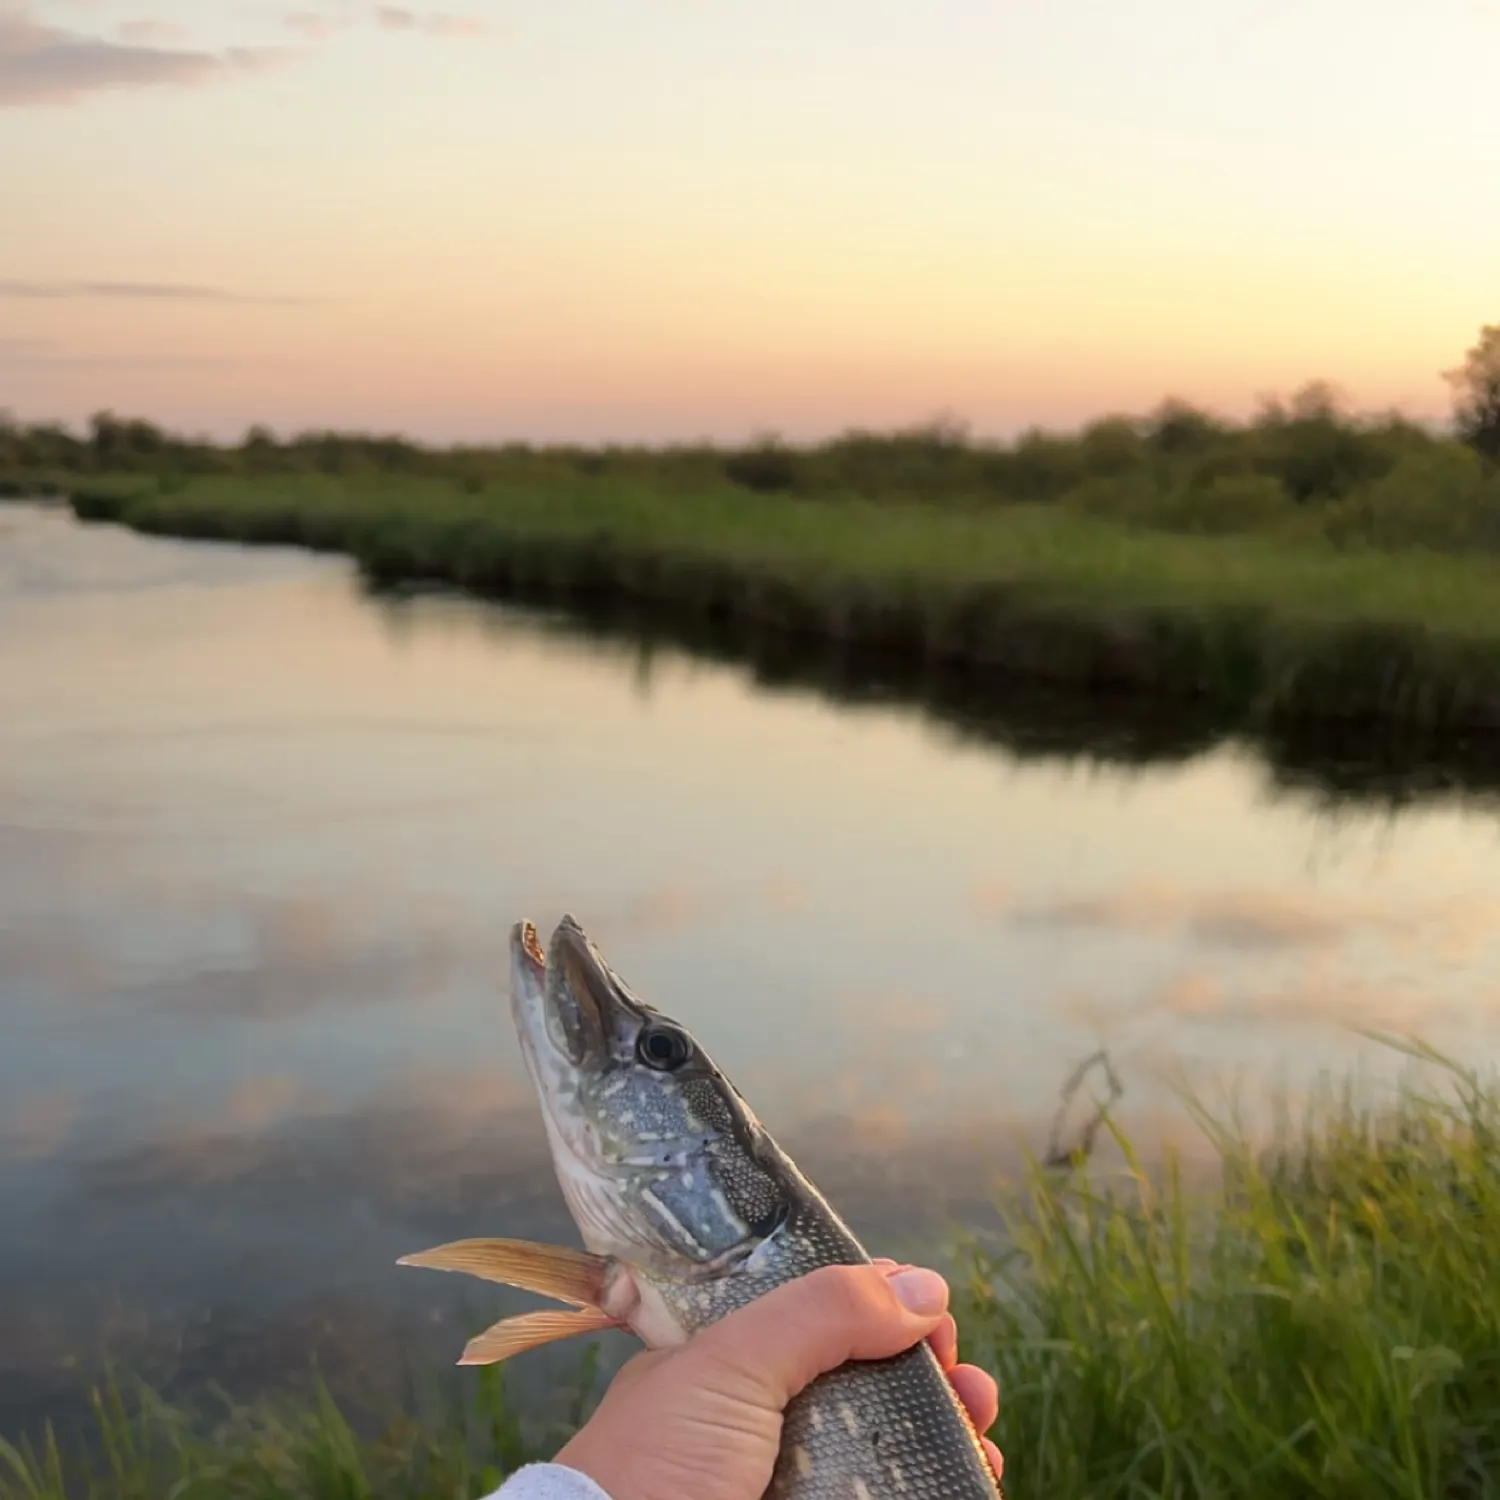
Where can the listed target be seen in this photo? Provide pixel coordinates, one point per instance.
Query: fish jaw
(556, 1045)
(557, 1029)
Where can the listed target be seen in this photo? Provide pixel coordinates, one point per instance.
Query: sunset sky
(662, 219)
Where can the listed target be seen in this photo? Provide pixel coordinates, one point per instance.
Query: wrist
(578, 1457)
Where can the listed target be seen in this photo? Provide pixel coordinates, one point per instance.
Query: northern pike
(688, 1210)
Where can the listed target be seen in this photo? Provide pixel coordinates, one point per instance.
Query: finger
(944, 1341)
(782, 1341)
(996, 1457)
(979, 1394)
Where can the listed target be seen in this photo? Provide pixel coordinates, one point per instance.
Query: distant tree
(124, 442)
(1312, 447)
(766, 466)
(1476, 394)
(259, 450)
(1317, 401)
(1179, 427)
(145, 438)
(1044, 466)
(1112, 445)
(105, 436)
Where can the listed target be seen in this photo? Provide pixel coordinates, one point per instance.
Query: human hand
(704, 1420)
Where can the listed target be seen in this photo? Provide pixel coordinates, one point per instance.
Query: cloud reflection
(36, 1126)
(245, 1244)
(1258, 919)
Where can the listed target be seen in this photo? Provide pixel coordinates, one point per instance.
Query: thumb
(775, 1346)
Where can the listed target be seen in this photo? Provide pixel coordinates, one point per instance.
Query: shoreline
(1263, 636)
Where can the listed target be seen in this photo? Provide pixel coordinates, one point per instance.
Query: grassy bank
(1325, 1322)
(142, 1449)
(1268, 626)
(1307, 567)
(1328, 1325)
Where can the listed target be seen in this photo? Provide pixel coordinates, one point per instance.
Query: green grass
(1271, 626)
(1327, 1325)
(137, 1447)
(1322, 1321)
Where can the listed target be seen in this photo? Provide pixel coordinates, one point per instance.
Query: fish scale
(879, 1430)
(872, 1430)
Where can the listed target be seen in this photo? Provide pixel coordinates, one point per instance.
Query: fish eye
(663, 1048)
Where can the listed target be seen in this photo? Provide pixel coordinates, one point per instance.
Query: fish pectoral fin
(530, 1331)
(550, 1270)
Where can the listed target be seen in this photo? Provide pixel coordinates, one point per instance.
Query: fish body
(689, 1209)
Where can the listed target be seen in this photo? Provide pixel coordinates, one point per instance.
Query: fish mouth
(547, 1043)
(560, 1030)
(568, 1014)
(565, 1001)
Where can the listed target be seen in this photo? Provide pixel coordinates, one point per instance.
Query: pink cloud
(438, 23)
(42, 64)
(444, 25)
(149, 33)
(309, 24)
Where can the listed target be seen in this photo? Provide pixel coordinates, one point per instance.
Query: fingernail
(922, 1292)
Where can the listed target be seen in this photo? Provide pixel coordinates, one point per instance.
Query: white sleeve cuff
(548, 1482)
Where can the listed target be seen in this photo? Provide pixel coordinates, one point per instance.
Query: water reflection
(1393, 766)
(261, 838)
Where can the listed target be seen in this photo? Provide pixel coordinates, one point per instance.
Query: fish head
(662, 1163)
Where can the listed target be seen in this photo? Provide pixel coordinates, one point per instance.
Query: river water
(262, 837)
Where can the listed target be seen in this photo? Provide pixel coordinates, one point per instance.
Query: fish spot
(803, 1460)
(898, 1475)
(861, 1489)
(817, 1420)
(851, 1421)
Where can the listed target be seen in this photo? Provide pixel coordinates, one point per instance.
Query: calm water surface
(262, 838)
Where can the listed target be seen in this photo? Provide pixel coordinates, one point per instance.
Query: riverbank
(1322, 1324)
(1267, 628)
